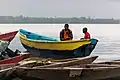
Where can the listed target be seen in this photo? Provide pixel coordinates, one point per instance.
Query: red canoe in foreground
(15, 59)
(8, 36)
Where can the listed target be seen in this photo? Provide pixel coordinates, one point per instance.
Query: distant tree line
(56, 20)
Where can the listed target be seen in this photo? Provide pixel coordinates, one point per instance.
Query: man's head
(84, 30)
(66, 26)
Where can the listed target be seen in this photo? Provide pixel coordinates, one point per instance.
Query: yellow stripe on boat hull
(54, 45)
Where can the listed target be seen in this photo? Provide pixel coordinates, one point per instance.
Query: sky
(61, 8)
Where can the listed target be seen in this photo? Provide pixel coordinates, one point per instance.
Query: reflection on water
(108, 47)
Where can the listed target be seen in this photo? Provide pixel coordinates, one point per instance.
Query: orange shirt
(66, 34)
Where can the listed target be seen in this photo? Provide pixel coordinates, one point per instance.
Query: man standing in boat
(66, 33)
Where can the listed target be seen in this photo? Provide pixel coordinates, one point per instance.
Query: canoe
(21, 71)
(93, 71)
(5, 40)
(71, 72)
(61, 63)
(8, 36)
(40, 46)
(75, 61)
(15, 59)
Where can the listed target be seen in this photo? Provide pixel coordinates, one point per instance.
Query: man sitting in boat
(66, 33)
(86, 34)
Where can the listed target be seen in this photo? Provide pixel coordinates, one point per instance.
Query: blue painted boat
(35, 36)
(44, 46)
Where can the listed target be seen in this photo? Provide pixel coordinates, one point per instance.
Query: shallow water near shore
(108, 47)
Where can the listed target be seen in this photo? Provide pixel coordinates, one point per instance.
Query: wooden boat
(5, 40)
(8, 36)
(15, 59)
(7, 70)
(72, 73)
(22, 71)
(40, 46)
(94, 71)
(64, 62)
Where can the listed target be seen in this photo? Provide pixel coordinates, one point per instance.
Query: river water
(108, 47)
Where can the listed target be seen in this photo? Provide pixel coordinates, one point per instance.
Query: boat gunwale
(11, 58)
(69, 68)
(9, 32)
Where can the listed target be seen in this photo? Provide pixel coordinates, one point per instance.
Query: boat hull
(15, 59)
(5, 40)
(79, 52)
(8, 36)
(23, 71)
(71, 73)
(78, 71)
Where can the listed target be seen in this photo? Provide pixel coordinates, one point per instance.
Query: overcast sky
(61, 8)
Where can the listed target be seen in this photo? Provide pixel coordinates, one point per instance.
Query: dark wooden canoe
(73, 72)
(69, 73)
(23, 70)
(8, 36)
